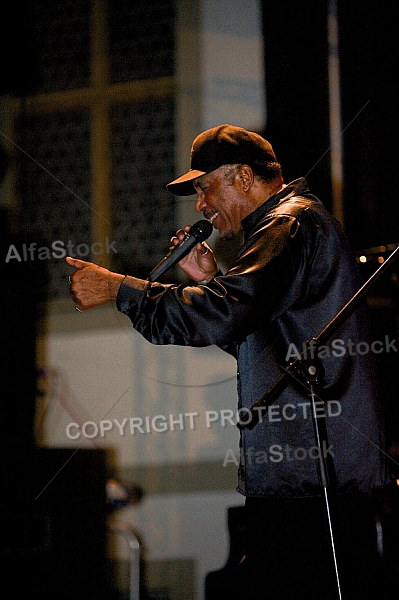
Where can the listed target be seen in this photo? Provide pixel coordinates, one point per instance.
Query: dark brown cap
(222, 145)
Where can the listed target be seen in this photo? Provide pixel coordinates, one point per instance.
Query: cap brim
(183, 186)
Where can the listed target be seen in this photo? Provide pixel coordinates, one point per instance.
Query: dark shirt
(293, 273)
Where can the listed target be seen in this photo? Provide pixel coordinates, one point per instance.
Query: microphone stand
(294, 367)
(310, 370)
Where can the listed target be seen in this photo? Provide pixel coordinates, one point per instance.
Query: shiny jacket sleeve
(261, 284)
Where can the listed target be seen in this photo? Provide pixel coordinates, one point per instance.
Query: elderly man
(292, 274)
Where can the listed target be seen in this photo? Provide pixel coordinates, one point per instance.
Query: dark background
(296, 54)
(296, 61)
(296, 64)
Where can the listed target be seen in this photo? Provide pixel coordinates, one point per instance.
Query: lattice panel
(54, 191)
(141, 38)
(54, 162)
(61, 44)
(143, 210)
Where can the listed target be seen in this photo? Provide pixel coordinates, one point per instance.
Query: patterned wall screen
(60, 38)
(141, 40)
(53, 150)
(143, 210)
(54, 192)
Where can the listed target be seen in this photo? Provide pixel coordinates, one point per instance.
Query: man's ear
(246, 177)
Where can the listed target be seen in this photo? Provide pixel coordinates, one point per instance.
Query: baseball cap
(221, 145)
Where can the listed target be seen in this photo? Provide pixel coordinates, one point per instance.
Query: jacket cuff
(131, 293)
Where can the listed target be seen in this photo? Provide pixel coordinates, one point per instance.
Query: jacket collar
(298, 187)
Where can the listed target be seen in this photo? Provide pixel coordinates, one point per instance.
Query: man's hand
(199, 264)
(92, 285)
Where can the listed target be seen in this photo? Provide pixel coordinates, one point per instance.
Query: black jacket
(293, 273)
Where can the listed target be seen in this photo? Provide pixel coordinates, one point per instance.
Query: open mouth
(212, 217)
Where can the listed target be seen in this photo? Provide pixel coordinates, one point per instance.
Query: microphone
(199, 232)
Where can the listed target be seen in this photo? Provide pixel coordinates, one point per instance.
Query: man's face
(219, 192)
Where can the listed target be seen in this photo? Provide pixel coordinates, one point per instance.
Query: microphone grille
(201, 230)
